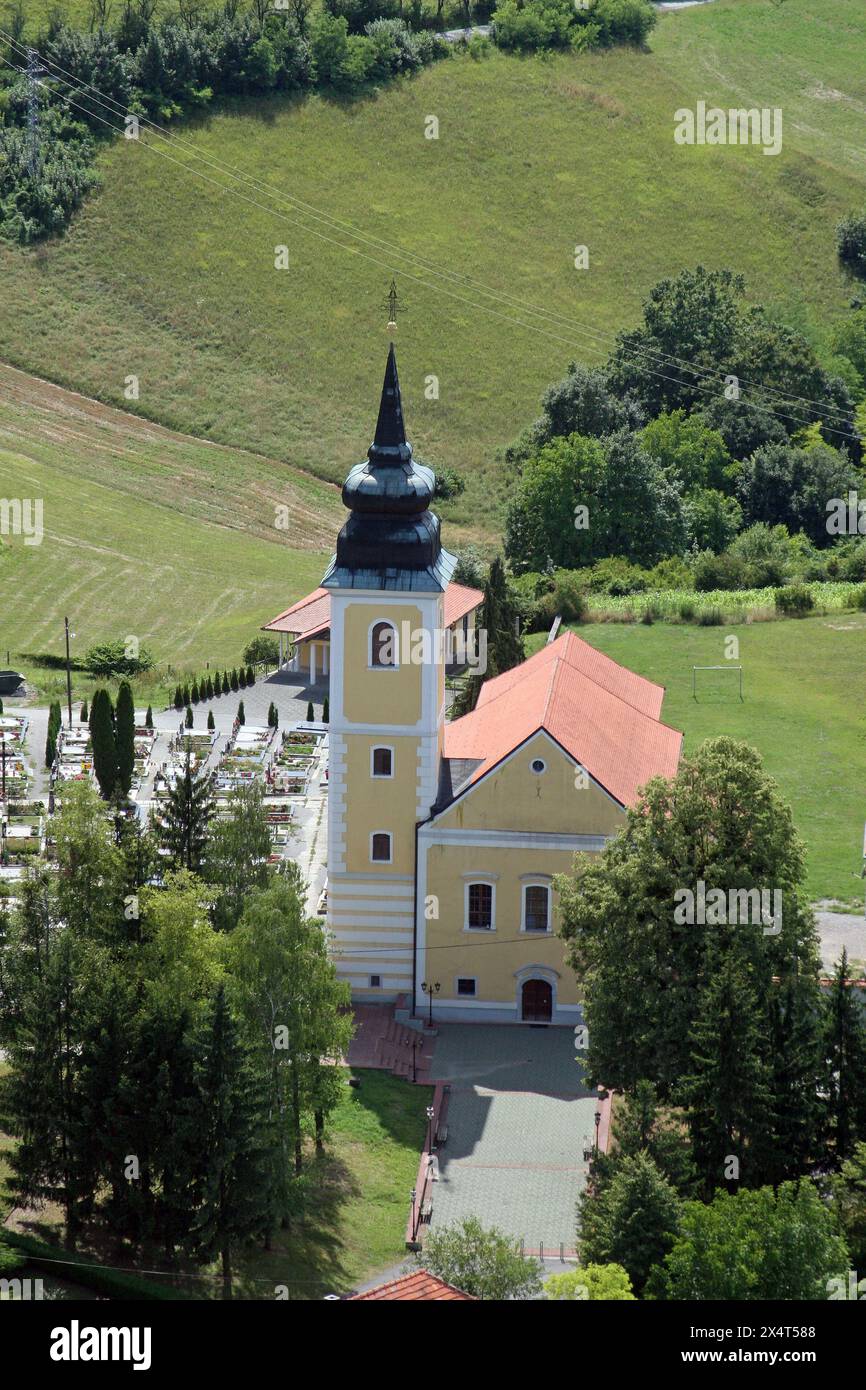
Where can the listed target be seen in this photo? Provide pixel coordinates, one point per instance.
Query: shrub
(178, 698)
(188, 720)
(210, 720)
(622, 21)
(242, 678)
(535, 24)
(251, 676)
(262, 649)
(148, 718)
(795, 600)
(851, 242)
(209, 691)
(710, 617)
(687, 611)
(108, 659)
(311, 714)
(242, 718)
(193, 694)
(326, 710)
(234, 682)
(82, 713)
(860, 599)
(226, 683)
(712, 571)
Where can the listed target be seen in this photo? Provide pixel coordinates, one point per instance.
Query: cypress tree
(235, 683)
(148, 718)
(209, 688)
(186, 695)
(188, 719)
(242, 719)
(251, 676)
(125, 737)
(193, 693)
(210, 720)
(326, 711)
(178, 698)
(499, 620)
(83, 714)
(311, 713)
(242, 678)
(103, 741)
(226, 683)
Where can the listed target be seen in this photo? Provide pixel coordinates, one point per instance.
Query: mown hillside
(147, 532)
(168, 274)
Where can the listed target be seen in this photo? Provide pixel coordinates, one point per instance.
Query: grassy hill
(147, 531)
(802, 709)
(168, 275)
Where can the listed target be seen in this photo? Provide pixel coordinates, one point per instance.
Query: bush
(264, 650)
(795, 600)
(860, 599)
(711, 617)
(622, 21)
(535, 24)
(712, 571)
(851, 242)
(251, 676)
(687, 611)
(39, 203)
(107, 659)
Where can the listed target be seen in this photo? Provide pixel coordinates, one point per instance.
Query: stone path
(518, 1120)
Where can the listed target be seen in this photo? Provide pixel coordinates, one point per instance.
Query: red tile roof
(413, 1288)
(603, 715)
(311, 616)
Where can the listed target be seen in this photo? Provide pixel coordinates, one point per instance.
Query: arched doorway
(536, 1001)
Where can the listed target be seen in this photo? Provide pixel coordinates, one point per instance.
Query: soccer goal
(713, 684)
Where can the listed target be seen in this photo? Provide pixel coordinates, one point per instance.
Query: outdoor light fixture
(430, 988)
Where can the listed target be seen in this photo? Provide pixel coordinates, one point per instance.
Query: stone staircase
(383, 1043)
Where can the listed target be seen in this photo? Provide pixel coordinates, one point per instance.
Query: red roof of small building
(311, 616)
(603, 715)
(418, 1287)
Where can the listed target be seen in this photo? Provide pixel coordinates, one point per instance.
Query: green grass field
(147, 532)
(167, 275)
(803, 710)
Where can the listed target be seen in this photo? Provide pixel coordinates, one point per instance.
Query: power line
(457, 278)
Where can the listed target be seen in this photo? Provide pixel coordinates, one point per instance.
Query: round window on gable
(538, 766)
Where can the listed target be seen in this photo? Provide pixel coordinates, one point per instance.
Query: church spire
(389, 444)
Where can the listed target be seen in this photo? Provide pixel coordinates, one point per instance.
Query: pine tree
(103, 741)
(188, 718)
(326, 711)
(83, 713)
(178, 698)
(728, 1091)
(795, 1029)
(311, 713)
(242, 719)
(231, 1185)
(844, 1047)
(148, 718)
(251, 676)
(226, 683)
(188, 812)
(210, 720)
(125, 737)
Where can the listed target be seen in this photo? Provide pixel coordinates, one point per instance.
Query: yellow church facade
(445, 838)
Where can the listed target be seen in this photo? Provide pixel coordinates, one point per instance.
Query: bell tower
(387, 702)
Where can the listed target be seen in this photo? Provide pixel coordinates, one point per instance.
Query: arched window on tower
(383, 645)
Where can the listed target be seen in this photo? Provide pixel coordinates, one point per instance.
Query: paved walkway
(518, 1120)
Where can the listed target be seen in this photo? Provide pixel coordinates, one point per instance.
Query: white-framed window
(375, 981)
(467, 986)
(382, 761)
(480, 905)
(380, 847)
(382, 647)
(536, 911)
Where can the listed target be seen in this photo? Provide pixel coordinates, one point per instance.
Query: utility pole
(34, 72)
(68, 675)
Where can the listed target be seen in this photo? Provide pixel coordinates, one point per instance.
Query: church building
(444, 838)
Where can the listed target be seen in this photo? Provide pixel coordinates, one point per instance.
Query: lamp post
(430, 988)
(597, 1123)
(412, 1198)
(430, 1113)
